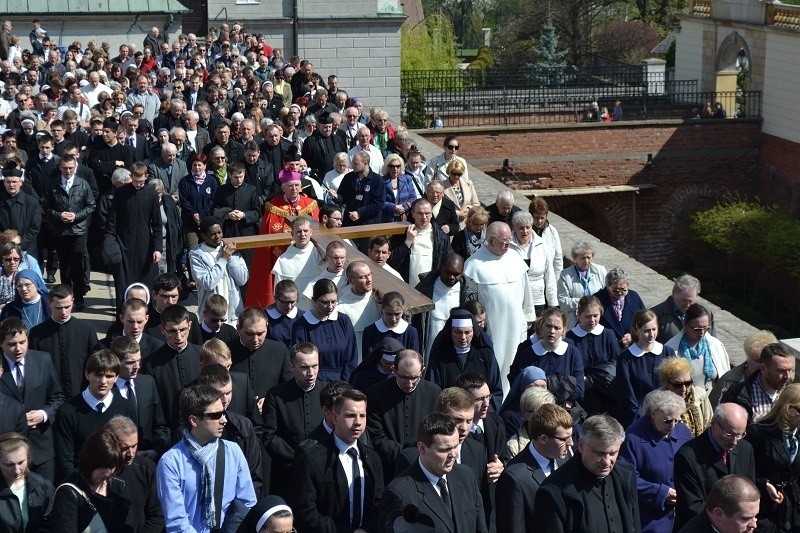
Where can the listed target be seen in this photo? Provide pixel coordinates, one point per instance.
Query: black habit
(265, 367)
(172, 371)
(69, 344)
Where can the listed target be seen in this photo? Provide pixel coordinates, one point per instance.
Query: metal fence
(532, 96)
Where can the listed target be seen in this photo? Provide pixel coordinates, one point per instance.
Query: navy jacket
(363, 195)
(196, 199)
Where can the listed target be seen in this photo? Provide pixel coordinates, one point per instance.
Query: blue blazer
(405, 192)
(196, 199)
(366, 196)
(609, 319)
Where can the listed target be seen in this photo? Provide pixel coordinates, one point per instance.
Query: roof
(93, 7)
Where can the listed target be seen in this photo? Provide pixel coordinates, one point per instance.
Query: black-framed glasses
(286, 302)
(215, 415)
(394, 166)
(453, 147)
(563, 440)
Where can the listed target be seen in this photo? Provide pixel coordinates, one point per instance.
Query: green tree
(429, 45)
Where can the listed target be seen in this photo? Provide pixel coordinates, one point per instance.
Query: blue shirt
(178, 486)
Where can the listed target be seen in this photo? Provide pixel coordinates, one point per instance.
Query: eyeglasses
(504, 242)
(700, 330)
(394, 166)
(671, 421)
(219, 158)
(563, 440)
(216, 415)
(483, 399)
(453, 147)
(679, 384)
(619, 290)
(728, 434)
(11, 259)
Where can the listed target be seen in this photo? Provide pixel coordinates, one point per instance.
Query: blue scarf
(701, 350)
(204, 455)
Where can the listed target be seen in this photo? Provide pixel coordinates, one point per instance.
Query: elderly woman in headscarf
(532, 398)
(460, 348)
(511, 411)
(30, 304)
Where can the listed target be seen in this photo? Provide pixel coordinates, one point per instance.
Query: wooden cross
(383, 281)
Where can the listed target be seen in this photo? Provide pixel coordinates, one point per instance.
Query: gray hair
(686, 283)
(663, 401)
(156, 184)
(310, 119)
(390, 158)
(166, 148)
(266, 121)
(121, 425)
(521, 218)
(341, 157)
(615, 275)
(193, 115)
(506, 195)
(603, 430)
(535, 397)
(121, 176)
(580, 248)
(217, 149)
(239, 117)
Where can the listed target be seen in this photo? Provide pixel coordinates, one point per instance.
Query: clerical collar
(137, 339)
(311, 319)
(399, 328)
(462, 351)
(580, 332)
(61, 323)
(308, 389)
(540, 350)
(275, 314)
(205, 327)
(638, 352)
(92, 401)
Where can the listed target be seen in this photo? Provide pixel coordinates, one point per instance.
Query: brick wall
(693, 165)
(779, 173)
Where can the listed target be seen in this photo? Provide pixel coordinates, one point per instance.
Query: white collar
(638, 352)
(92, 402)
(342, 446)
(207, 329)
(579, 331)
(544, 462)
(399, 328)
(432, 478)
(275, 314)
(560, 349)
(311, 319)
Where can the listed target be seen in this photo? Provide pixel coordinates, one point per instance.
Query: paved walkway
(651, 286)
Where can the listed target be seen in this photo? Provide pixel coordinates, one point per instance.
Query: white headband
(270, 512)
(389, 357)
(462, 323)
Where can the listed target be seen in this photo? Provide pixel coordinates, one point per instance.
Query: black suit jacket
(42, 392)
(698, 466)
(276, 156)
(290, 415)
(516, 492)
(23, 214)
(493, 436)
(400, 259)
(234, 150)
(319, 490)
(413, 488)
(265, 367)
(699, 524)
(153, 430)
(172, 372)
(448, 216)
(13, 418)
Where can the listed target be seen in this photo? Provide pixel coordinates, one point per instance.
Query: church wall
(781, 107)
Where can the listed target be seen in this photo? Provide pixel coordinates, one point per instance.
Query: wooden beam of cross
(383, 281)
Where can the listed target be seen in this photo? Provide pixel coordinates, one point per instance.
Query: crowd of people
(301, 395)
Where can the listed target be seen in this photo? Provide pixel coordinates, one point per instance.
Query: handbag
(96, 525)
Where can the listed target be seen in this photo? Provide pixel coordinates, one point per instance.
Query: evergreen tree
(550, 61)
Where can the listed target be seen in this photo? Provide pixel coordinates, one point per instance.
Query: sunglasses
(216, 415)
(678, 384)
(453, 147)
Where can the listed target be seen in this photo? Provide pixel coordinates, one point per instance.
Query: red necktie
(724, 456)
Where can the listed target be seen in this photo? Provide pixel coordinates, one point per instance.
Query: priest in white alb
(301, 262)
(503, 288)
(357, 300)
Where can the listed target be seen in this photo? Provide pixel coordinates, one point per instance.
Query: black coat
(276, 156)
(774, 465)
(102, 160)
(241, 431)
(318, 151)
(559, 503)
(234, 150)
(79, 200)
(393, 417)
(319, 490)
(42, 392)
(13, 418)
(243, 198)
(265, 367)
(151, 419)
(22, 213)
(448, 216)
(413, 488)
(400, 259)
(698, 467)
(262, 176)
(40, 500)
(69, 344)
(73, 515)
(146, 515)
(37, 172)
(83, 172)
(172, 372)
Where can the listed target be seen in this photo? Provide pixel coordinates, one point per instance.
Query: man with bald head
(423, 246)
(448, 287)
(357, 300)
(504, 290)
(705, 459)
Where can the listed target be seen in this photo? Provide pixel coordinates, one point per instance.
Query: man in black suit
(503, 208)
(172, 117)
(275, 149)
(69, 340)
(487, 426)
(550, 429)
(444, 210)
(19, 210)
(194, 93)
(216, 352)
(731, 507)
(176, 364)
(320, 147)
(234, 150)
(135, 141)
(88, 411)
(166, 292)
(442, 490)
(30, 379)
(107, 154)
(397, 405)
(291, 411)
(705, 459)
(327, 398)
(362, 193)
(259, 173)
(264, 361)
(133, 320)
(336, 484)
(140, 390)
(214, 324)
(604, 487)
(168, 168)
(139, 474)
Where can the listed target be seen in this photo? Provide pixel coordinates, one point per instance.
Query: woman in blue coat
(620, 304)
(400, 191)
(330, 331)
(637, 366)
(650, 446)
(550, 352)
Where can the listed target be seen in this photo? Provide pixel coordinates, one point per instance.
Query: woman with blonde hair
(531, 400)
(460, 190)
(25, 496)
(468, 240)
(400, 192)
(775, 445)
(675, 375)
